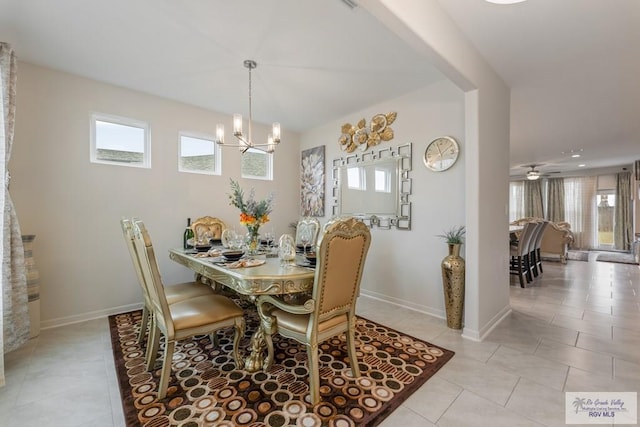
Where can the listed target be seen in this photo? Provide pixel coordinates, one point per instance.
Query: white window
(383, 180)
(257, 164)
(120, 141)
(356, 178)
(199, 154)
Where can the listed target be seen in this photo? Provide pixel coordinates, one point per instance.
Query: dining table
(272, 277)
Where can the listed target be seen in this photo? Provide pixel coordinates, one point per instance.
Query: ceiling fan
(534, 174)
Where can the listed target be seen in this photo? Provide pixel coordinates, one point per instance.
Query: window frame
(217, 153)
(269, 175)
(123, 121)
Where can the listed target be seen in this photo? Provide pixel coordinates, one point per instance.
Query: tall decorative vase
(33, 285)
(453, 283)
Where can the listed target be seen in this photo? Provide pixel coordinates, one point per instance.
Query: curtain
(555, 199)
(14, 308)
(533, 199)
(622, 228)
(580, 210)
(516, 200)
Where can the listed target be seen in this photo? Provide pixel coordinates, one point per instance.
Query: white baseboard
(470, 334)
(480, 335)
(404, 304)
(466, 332)
(83, 317)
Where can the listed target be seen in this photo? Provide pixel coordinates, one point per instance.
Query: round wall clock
(441, 153)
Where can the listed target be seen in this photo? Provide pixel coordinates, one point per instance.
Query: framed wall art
(312, 178)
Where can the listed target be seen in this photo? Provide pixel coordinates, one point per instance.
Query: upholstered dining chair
(341, 254)
(207, 228)
(531, 259)
(174, 293)
(310, 225)
(536, 256)
(179, 320)
(520, 260)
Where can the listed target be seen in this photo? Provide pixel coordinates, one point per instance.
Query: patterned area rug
(619, 257)
(206, 388)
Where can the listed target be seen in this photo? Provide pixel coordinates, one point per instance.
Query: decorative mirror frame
(402, 219)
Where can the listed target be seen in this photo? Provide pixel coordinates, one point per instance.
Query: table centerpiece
(253, 213)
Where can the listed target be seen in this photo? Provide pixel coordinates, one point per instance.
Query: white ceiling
(572, 64)
(574, 69)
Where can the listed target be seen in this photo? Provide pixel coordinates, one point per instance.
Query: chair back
(525, 238)
(538, 225)
(538, 240)
(151, 273)
(207, 228)
(341, 254)
(127, 231)
(308, 224)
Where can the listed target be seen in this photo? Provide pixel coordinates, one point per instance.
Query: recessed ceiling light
(505, 1)
(581, 165)
(575, 156)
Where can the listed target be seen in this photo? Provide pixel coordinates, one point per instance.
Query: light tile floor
(576, 328)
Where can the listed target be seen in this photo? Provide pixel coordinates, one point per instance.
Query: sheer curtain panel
(14, 308)
(580, 210)
(622, 227)
(555, 199)
(533, 199)
(516, 200)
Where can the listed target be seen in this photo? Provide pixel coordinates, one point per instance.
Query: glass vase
(253, 240)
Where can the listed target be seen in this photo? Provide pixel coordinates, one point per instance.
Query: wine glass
(305, 237)
(269, 237)
(228, 237)
(238, 242)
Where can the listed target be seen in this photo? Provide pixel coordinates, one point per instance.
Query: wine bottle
(187, 236)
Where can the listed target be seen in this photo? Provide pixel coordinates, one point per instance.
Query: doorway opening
(606, 200)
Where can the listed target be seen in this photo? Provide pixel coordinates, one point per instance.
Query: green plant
(454, 236)
(252, 213)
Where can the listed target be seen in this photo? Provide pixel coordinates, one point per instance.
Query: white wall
(74, 207)
(424, 25)
(403, 266)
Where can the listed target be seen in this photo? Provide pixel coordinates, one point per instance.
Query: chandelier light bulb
(237, 125)
(220, 133)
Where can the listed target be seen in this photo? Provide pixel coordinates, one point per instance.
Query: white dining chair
(310, 226)
(520, 263)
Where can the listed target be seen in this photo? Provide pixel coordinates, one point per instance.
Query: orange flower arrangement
(252, 213)
(247, 219)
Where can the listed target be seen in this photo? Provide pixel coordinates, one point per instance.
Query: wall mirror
(374, 186)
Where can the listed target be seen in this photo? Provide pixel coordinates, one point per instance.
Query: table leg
(260, 341)
(254, 360)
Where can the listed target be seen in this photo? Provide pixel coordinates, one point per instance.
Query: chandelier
(244, 141)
